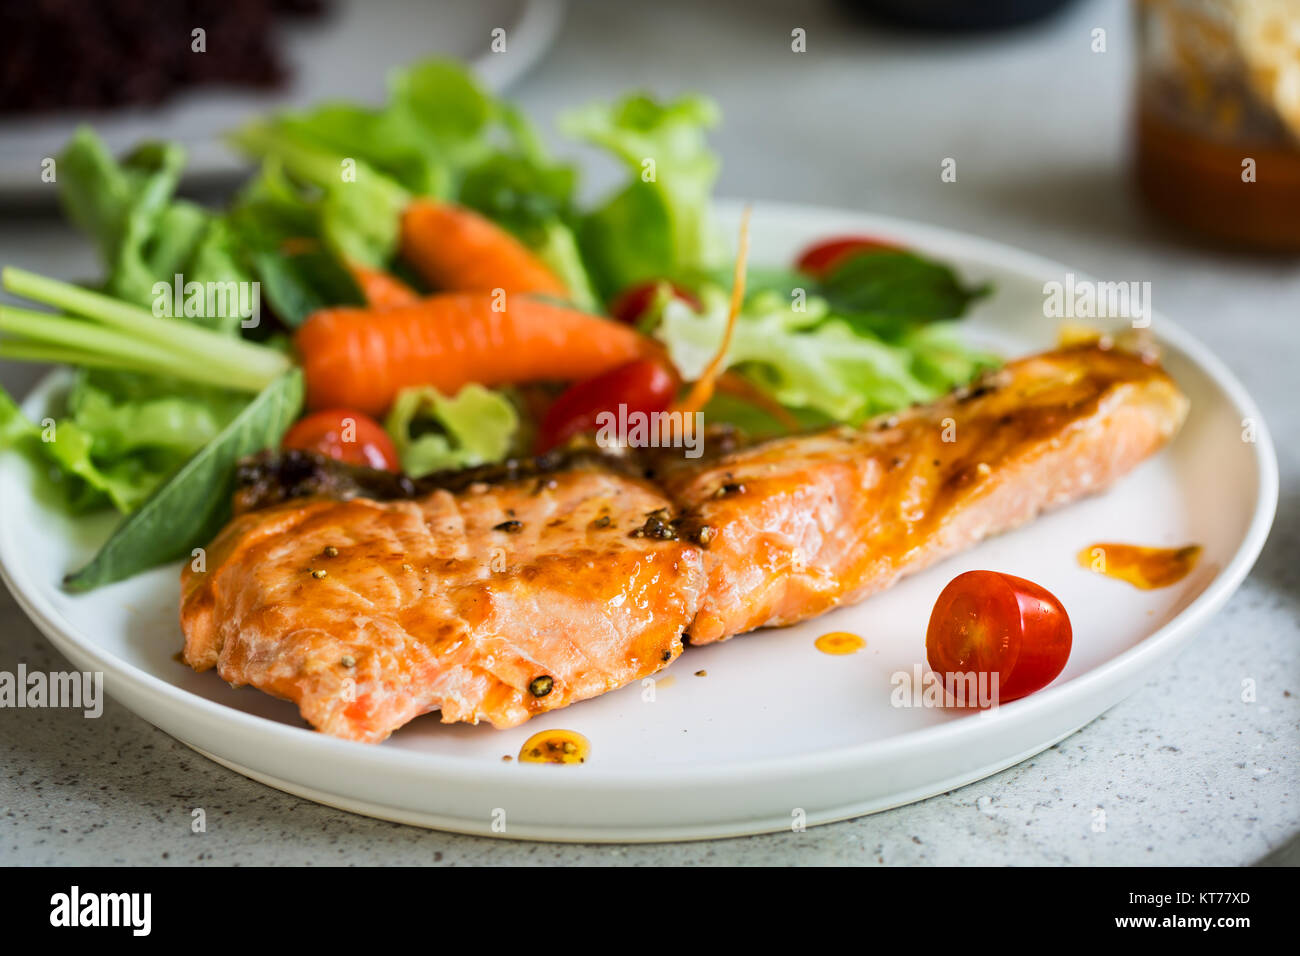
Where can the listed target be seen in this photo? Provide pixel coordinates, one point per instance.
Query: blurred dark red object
(91, 54)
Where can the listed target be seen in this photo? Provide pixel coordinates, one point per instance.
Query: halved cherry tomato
(819, 259)
(643, 385)
(344, 435)
(633, 301)
(987, 622)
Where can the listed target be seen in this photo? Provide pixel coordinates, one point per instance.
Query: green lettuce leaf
(145, 235)
(120, 434)
(120, 206)
(436, 124)
(940, 359)
(287, 231)
(64, 451)
(811, 359)
(660, 224)
(756, 422)
(432, 431)
(532, 197)
(219, 257)
(126, 413)
(439, 135)
(189, 508)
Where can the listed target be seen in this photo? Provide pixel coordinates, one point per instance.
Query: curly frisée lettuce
(812, 360)
(432, 431)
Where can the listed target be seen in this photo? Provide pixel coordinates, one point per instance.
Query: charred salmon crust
(285, 475)
(497, 602)
(500, 593)
(800, 525)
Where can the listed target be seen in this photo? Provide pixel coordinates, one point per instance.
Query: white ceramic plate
(776, 731)
(346, 54)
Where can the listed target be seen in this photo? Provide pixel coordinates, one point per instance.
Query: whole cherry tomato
(633, 301)
(986, 622)
(346, 436)
(643, 385)
(819, 259)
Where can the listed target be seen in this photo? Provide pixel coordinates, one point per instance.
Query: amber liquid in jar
(1196, 183)
(1218, 145)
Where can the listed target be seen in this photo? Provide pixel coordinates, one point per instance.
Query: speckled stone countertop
(1186, 772)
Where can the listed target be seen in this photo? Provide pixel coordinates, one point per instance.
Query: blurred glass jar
(1218, 117)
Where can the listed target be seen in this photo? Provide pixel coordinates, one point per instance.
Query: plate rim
(595, 778)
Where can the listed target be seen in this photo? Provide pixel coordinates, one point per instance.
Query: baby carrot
(361, 358)
(457, 250)
(381, 289)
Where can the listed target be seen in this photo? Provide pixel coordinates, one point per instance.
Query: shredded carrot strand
(299, 245)
(702, 390)
(733, 384)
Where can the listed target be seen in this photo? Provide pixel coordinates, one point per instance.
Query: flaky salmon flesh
(501, 599)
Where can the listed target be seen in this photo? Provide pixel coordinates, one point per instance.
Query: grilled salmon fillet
(800, 525)
(500, 599)
(495, 602)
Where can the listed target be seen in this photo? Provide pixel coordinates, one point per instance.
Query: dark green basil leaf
(886, 292)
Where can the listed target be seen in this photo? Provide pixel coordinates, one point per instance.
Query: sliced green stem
(198, 345)
(18, 350)
(78, 334)
(75, 336)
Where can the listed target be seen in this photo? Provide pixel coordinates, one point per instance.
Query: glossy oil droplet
(1145, 568)
(555, 746)
(839, 642)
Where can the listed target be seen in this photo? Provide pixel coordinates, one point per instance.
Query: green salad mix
(167, 397)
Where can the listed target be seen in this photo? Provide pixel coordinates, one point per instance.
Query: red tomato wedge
(643, 385)
(987, 623)
(346, 436)
(821, 258)
(634, 301)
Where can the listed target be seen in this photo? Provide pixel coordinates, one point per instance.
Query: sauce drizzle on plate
(1145, 568)
(839, 642)
(555, 746)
